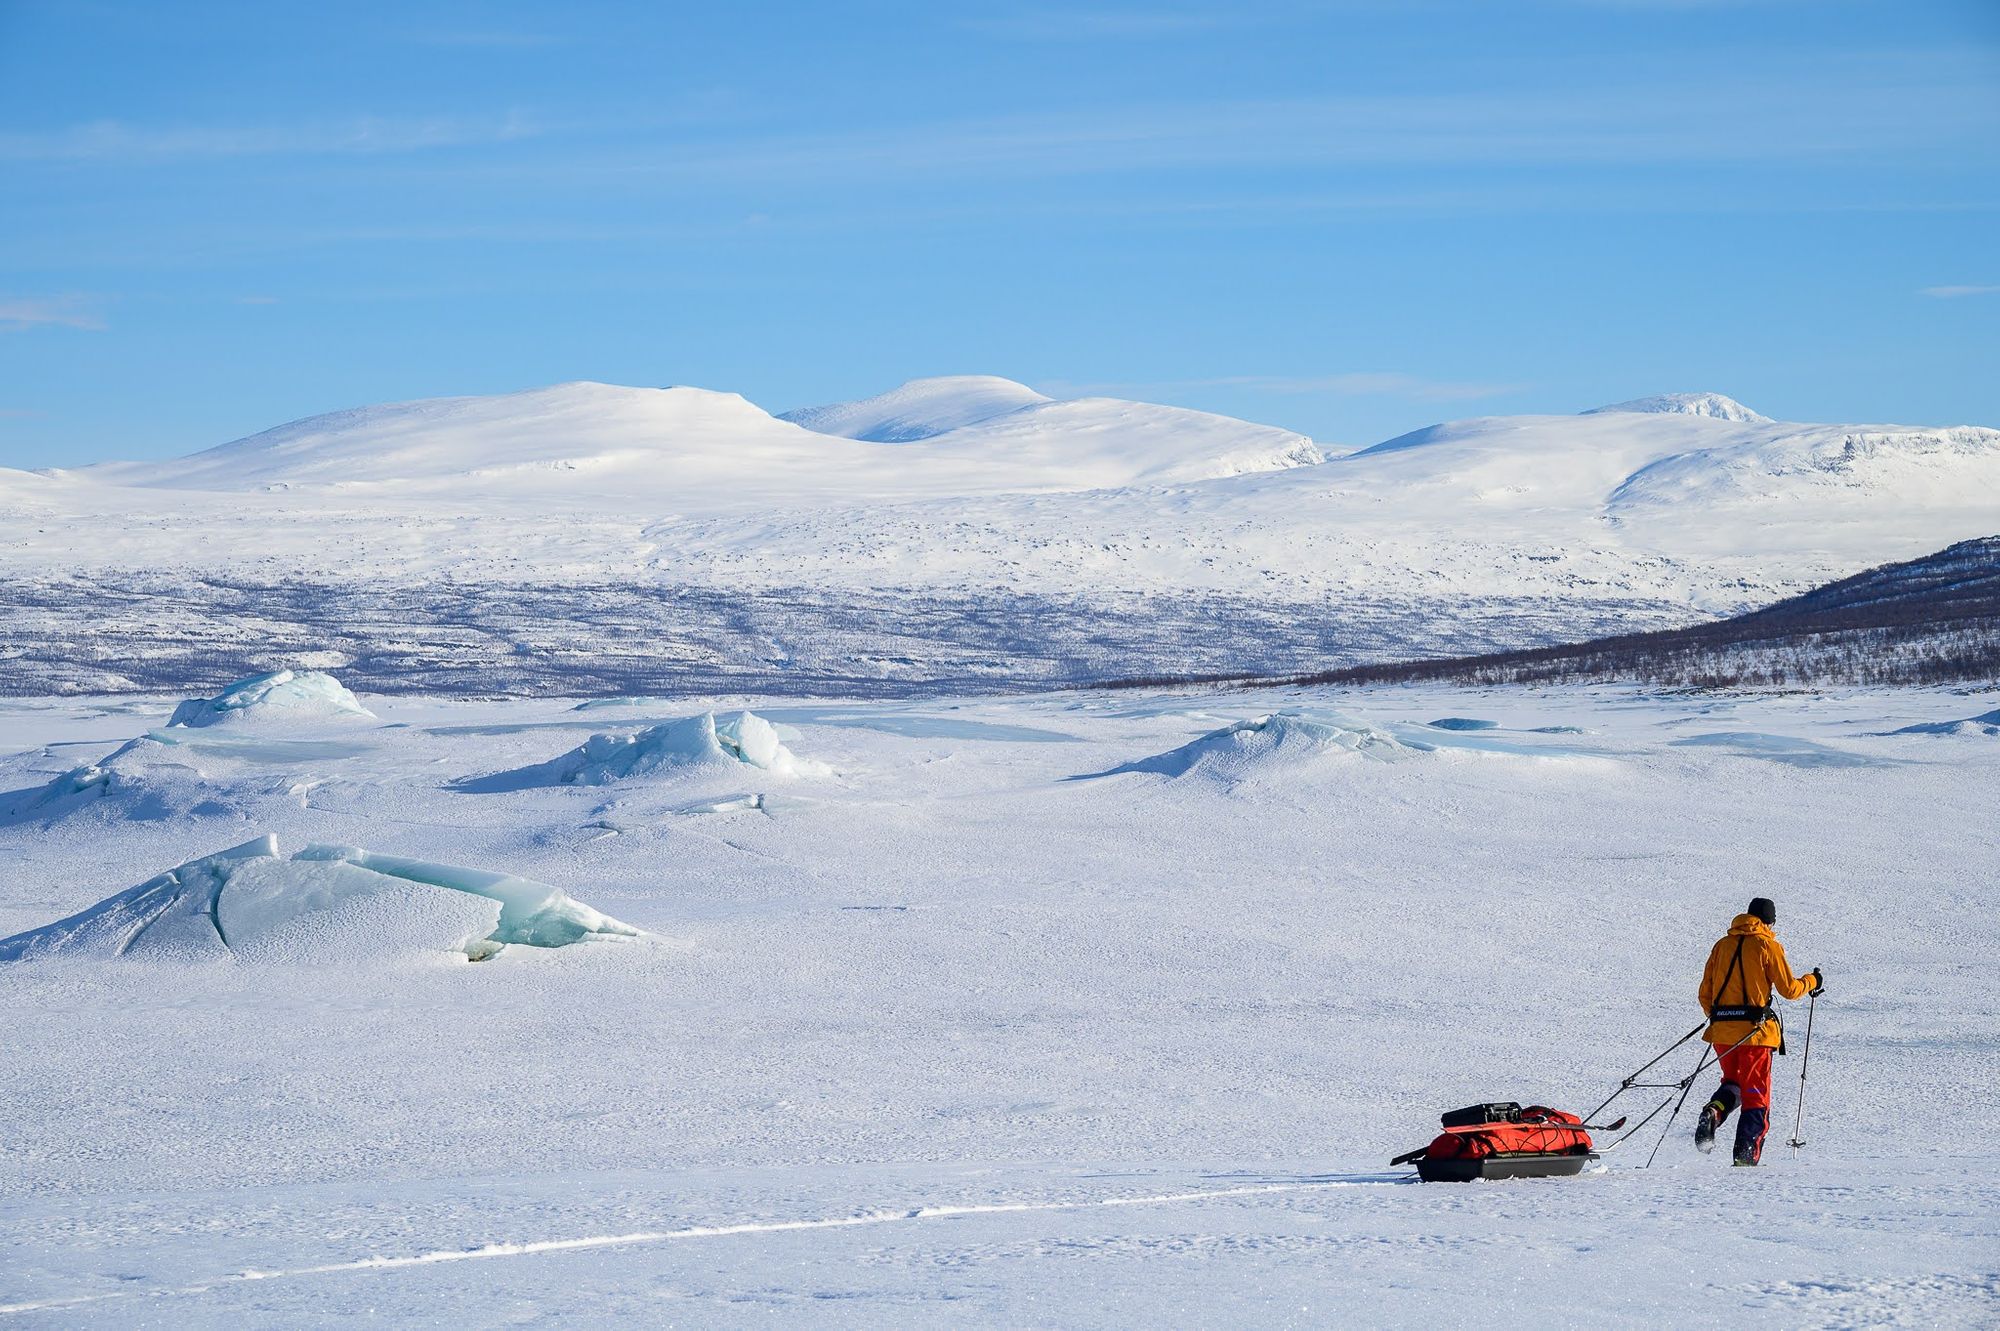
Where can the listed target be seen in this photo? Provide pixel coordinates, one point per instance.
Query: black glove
(1819, 984)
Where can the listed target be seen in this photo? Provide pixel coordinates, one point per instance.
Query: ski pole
(1805, 1061)
(1686, 1086)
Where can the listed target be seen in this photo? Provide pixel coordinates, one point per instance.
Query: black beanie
(1764, 909)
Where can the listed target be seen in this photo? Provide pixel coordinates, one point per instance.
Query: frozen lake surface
(925, 1031)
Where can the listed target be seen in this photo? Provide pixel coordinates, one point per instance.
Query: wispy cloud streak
(113, 140)
(1081, 24)
(1353, 383)
(22, 313)
(1907, 109)
(1952, 293)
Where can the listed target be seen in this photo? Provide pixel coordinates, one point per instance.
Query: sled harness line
(1632, 1083)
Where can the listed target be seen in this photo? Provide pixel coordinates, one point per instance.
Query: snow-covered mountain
(1098, 440)
(512, 443)
(1713, 405)
(919, 409)
(1152, 445)
(709, 450)
(997, 530)
(22, 486)
(1814, 467)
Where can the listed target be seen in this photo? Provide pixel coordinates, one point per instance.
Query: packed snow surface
(322, 905)
(962, 1040)
(283, 696)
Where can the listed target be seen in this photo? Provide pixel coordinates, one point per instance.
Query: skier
(1743, 970)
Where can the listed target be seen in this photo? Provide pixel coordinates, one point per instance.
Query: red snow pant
(1748, 1068)
(1746, 1081)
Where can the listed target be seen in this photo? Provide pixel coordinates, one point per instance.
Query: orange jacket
(1764, 969)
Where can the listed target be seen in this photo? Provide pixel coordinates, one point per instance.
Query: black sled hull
(1502, 1166)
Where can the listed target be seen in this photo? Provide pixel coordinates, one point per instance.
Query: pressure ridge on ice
(693, 743)
(261, 720)
(283, 697)
(324, 904)
(1274, 745)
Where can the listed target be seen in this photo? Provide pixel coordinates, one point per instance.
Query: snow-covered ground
(1088, 1009)
(950, 532)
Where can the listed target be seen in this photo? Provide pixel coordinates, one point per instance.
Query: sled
(1503, 1140)
(1523, 1164)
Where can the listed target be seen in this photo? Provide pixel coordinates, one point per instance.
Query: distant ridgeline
(965, 534)
(1934, 620)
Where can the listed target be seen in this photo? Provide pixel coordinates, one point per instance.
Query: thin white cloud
(118, 140)
(1677, 4)
(1951, 293)
(1352, 383)
(1374, 383)
(22, 313)
(1089, 25)
(494, 39)
(1915, 108)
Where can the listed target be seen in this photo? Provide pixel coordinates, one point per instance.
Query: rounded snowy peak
(1104, 441)
(919, 409)
(1713, 405)
(578, 429)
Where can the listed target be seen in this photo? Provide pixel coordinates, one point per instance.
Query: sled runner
(1493, 1141)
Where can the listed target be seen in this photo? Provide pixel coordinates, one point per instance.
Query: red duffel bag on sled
(1503, 1141)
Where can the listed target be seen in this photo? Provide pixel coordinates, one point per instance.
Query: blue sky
(1347, 218)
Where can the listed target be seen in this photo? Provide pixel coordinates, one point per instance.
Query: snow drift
(1271, 744)
(143, 780)
(285, 696)
(72, 789)
(1986, 723)
(690, 743)
(323, 904)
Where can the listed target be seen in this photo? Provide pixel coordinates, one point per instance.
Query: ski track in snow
(533, 1247)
